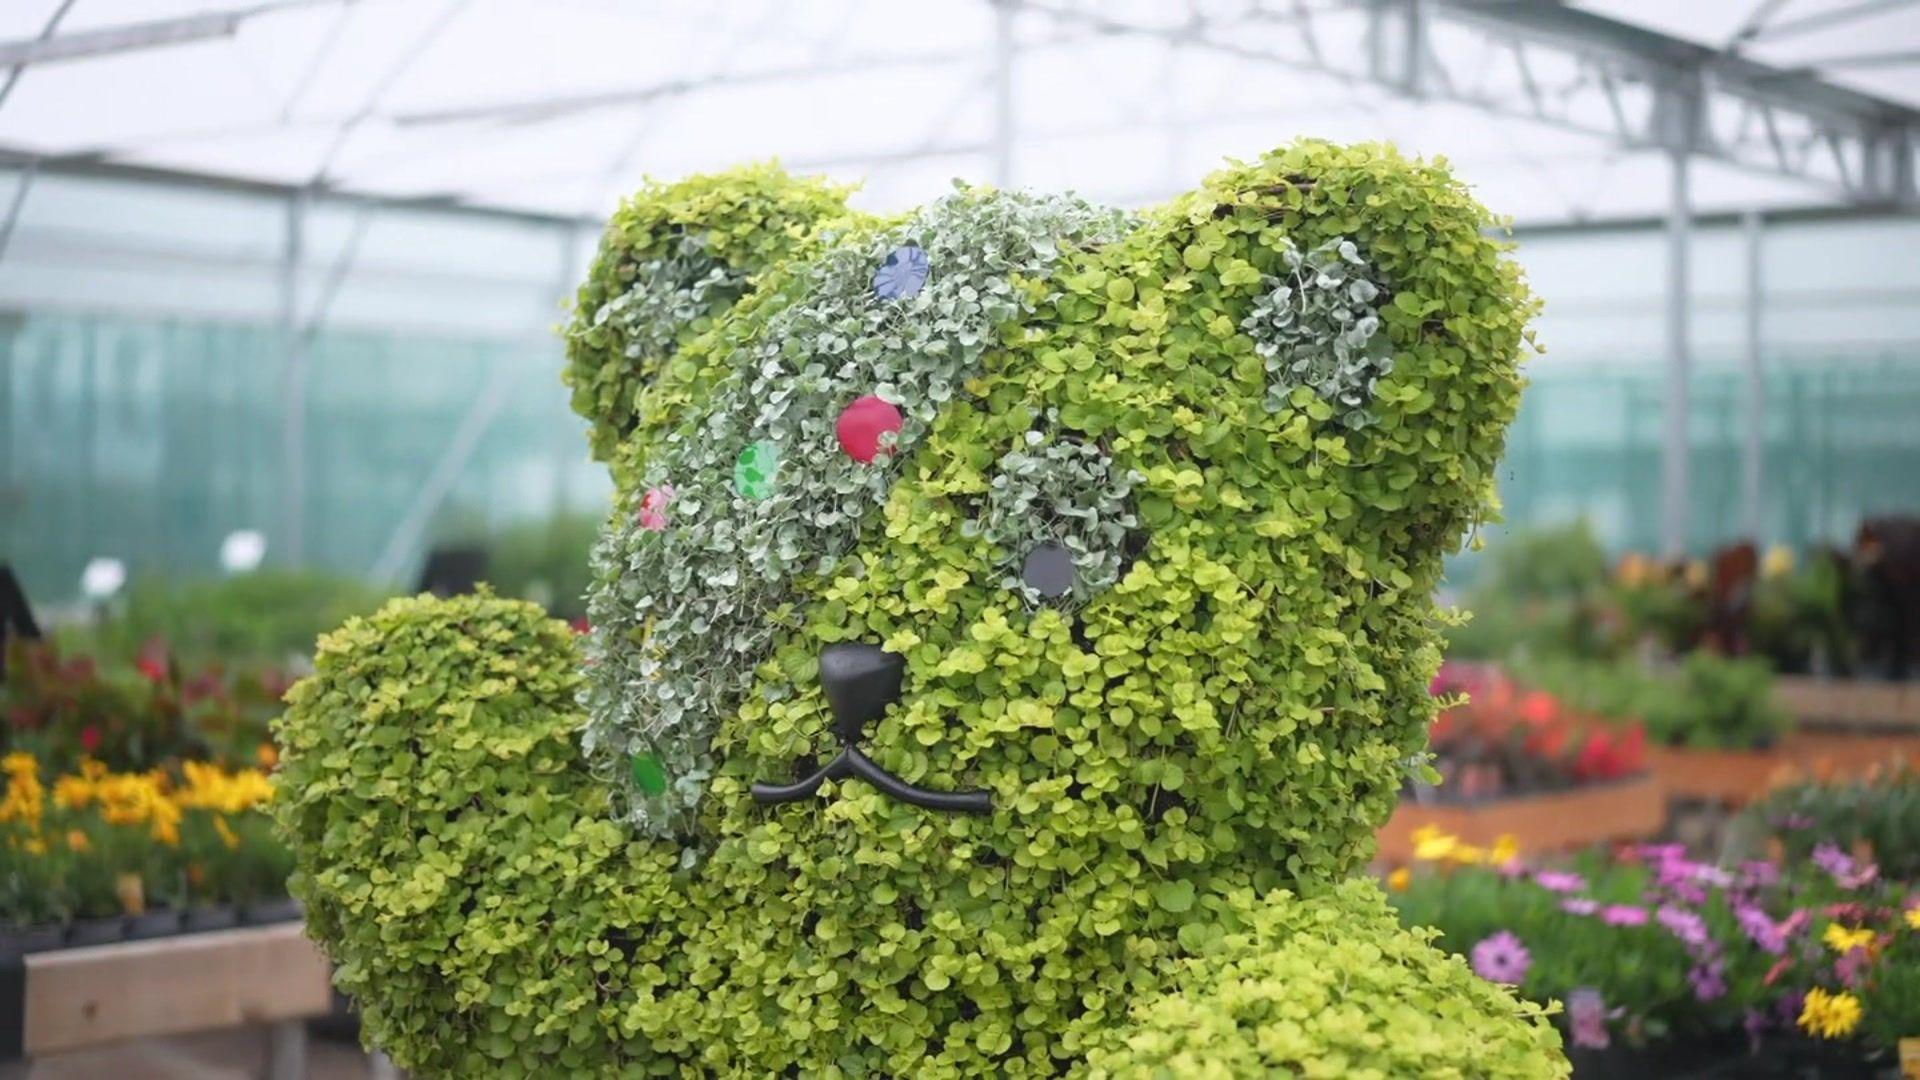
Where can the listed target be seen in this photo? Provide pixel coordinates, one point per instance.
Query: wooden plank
(1850, 703)
(193, 982)
(1632, 809)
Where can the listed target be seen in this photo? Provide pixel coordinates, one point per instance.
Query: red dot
(861, 425)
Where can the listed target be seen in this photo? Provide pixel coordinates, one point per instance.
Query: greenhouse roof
(1557, 112)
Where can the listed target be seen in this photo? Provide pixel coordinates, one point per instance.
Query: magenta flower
(1579, 905)
(1624, 915)
(1559, 881)
(1501, 958)
(1686, 925)
(1587, 1017)
(1709, 980)
(1760, 874)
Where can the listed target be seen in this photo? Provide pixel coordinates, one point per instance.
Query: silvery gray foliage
(1318, 325)
(665, 296)
(683, 616)
(1057, 491)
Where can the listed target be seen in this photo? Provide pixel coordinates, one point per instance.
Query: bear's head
(994, 594)
(1106, 534)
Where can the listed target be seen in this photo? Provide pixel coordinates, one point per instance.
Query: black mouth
(861, 681)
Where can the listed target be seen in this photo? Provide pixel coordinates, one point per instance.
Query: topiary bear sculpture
(1015, 623)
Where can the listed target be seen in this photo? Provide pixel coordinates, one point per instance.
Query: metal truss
(1569, 69)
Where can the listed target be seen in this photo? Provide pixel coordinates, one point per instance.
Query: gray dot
(1048, 570)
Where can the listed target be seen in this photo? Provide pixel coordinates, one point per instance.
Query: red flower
(153, 661)
(90, 738)
(581, 625)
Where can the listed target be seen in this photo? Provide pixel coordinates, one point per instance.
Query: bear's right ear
(674, 259)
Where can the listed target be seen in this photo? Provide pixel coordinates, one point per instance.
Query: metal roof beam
(134, 37)
(1637, 88)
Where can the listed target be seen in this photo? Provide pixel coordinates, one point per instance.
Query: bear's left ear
(1386, 322)
(675, 258)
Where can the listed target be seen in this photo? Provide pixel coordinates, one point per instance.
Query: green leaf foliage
(1225, 711)
(1333, 988)
(700, 245)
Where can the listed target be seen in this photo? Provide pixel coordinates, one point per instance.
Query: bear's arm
(452, 846)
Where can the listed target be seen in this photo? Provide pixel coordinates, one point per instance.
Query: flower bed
(133, 801)
(1509, 760)
(1659, 954)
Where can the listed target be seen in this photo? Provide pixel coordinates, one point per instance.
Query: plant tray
(1630, 809)
(78, 997)
(1842, 755)
(1729, 777)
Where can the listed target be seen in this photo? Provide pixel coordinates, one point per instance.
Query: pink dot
(653, 507)
(862, 423)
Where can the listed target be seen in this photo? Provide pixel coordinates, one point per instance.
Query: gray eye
(1060, 517)
(1048, 570)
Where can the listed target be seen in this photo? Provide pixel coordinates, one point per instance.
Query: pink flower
(1624, 915)
(1852, 967)
(1501, 958)
(1579, 905)
(1559, 881)
(653, 507)
(1587, 1017)
(1760, 874)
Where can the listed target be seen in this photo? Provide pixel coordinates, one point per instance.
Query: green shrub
(1235, 713)
(1329, 989)
(1882, 812)
(1706, 701)
(263, 617)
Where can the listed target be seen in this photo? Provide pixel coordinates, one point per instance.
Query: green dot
(754, 472)
(648, 774)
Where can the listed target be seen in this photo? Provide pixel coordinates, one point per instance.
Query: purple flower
(1793, 822)
(1709, 980)
(1579, 905)
(1663, 853)
(1624, 915)
(1501, 958)
(1587, 1016)
(903, 274)
(1757, 1024)
(1760, 874)
(1559, 881)
(1828, 856)
(1765, 933)
(1686, 925)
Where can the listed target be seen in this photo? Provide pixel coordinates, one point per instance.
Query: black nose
(861, 680)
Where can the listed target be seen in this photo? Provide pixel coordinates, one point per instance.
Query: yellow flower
(34, 845)
(1432, 844)
(1469, 854)
(1400, 879)
(1913, 917)
(1778, 563)
(1842, 940)
(227, 835)
(1830, 1016)
(26, 799)
(77, 840)
(1697, 574)
(1506, 848)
